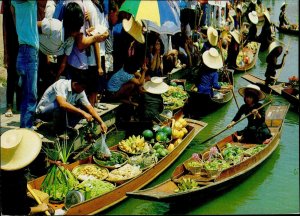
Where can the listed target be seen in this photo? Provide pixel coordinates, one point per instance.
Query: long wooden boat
(277, 88)
(287, 30)
(251, 64)
(115, 196)
(275, 116)
(208, 103)
(291, 95)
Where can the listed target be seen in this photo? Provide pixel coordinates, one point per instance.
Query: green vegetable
(186, 184)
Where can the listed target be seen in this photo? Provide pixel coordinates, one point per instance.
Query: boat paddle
(262, 106)
(36, 197)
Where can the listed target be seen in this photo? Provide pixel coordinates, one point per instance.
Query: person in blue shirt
(125, 82)
(209, 74)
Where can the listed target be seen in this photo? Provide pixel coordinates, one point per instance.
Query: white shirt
(52, 38)
(61, 88)
(101, 25)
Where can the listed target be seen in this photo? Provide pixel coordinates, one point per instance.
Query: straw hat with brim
(267, 15)
(134, 28)
(274, 49)
(212, 35)
(156, 86)
(253, 17)
(236, 35)
(254, 1)
(212, 59)
(283, 5)
(239, 7)
(19, 147)
(253, 88)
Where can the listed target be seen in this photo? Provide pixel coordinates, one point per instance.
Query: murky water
(274, 187)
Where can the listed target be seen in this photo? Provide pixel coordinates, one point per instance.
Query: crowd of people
(107, 54)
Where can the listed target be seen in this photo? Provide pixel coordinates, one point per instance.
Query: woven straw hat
(236, 34)
(134, 28)
(283, 5)
(156, 86)
(273, 49)
(19, 147)
(253, 17)
(253, 88)
(267, 15)
(212, 35)
(212, 59)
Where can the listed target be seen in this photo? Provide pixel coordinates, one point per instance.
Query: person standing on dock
(25, 14)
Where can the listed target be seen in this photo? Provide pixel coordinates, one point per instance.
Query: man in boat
(15, 157)
(283, 21)
(65, 104)
(275, 51)
(256, 131)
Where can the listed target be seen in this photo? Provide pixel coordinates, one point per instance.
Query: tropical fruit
(161, 136)
(148, 134)
(167, 130)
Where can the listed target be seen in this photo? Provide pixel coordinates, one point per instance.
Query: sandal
(8, 113)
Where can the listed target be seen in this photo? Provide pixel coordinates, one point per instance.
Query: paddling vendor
(15, 157)
(152, 101)
(275, 51)
(283, 21)
(65, 103)
(209, 73)
(256, 131)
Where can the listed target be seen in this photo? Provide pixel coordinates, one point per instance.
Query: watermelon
(167, 130)
(148, 134)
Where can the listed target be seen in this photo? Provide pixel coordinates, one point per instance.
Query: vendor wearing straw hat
(251, 35)
(275, 51)
(19, 147)
(212, 39)
(152, 102)
(233, 48)
(265, 37)
(209, 73)
(283, 20)
(256, 131)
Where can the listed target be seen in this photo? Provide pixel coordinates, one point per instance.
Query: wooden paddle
(36, 197)
(235, 122)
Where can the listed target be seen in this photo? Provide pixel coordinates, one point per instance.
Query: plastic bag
(103, 147)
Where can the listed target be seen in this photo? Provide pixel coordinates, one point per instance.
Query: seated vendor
(152, 102)
(65, 103)
(209, 73)
(126, 82)
(283, 20)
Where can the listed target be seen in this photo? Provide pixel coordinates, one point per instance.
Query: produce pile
(124, 173)
(134, 145)
(246, 55)
(174, 98)
(116, 160)
(143, 160)
(89, 171)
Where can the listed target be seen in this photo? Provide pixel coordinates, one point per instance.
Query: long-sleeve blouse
(245, 109)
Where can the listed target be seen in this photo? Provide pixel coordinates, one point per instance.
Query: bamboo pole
(36, 197)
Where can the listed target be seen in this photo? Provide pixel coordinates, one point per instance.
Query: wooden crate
(275, 116)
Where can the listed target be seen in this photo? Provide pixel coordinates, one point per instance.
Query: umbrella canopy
(168, 27)
(156, 11)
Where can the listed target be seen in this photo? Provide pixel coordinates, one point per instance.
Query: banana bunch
(179, 128)
(134, 144)
(186, 184)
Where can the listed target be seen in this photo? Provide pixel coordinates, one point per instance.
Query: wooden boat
(275, 116)
(249, 66)
(194, 108)
(287, 30)
(291, 95)
(115, 196)
(277, 88)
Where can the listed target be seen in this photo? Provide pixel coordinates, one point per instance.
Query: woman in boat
(256, 131)
(283, 21)
(212, 39)
(252, 33)
(233, 49)
(209, 73)
(152, 102)
(14, 160)
(275, 51)
(265, 38)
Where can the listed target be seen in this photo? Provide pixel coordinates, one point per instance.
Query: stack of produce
(233, 154)
(134, 145)
(144, 161)
(246, 55)
(124, 173)
(175, 97)
(178, 130)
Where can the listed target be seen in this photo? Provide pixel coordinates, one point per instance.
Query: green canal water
(274, 187)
